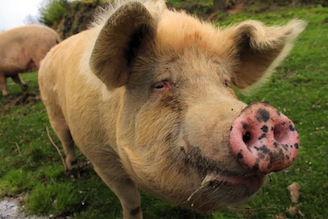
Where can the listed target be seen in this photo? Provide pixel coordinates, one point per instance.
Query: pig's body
(22, 49)
(145, 95)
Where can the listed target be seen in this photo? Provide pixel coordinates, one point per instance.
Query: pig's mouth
(215, 178)
(220, 188)
(218, 184)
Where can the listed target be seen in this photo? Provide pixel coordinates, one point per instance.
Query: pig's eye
(160, 86)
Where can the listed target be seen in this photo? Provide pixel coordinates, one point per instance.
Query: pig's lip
(252, 183)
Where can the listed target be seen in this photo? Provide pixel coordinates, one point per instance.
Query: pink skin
(264, 139)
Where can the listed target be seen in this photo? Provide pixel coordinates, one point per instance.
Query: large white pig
(145, 94)
(21, 50)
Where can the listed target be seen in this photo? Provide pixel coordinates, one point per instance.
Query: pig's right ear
(119, 41)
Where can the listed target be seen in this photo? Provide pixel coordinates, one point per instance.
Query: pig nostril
(280, 133)
(277, 134)
(247, 137)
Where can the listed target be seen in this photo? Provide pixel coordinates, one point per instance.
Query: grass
(30, 166)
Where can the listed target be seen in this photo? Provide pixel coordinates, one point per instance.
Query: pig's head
(181, 132)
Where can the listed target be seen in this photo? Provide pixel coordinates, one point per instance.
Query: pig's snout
(264, 139)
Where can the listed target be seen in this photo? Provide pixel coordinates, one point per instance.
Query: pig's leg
(3, 84)
(61, 129)
(19, 81)
(66, 139)
(120, 183)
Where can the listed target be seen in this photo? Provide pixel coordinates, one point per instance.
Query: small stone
(294, 191)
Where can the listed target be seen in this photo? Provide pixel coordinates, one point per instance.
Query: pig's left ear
(119, 41)
(255, 49)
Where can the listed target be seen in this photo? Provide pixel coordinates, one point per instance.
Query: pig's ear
(119, 41)
(255, 49)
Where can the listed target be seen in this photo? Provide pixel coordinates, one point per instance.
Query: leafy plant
(53, 12)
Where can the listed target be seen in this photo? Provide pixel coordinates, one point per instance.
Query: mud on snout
(264, 139)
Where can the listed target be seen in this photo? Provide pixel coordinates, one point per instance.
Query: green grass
(31, 167)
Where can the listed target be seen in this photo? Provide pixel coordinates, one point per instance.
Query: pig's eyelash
(161, 86)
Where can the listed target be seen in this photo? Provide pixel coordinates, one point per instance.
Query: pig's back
(27, 42)
(30, 35)
(62, 71)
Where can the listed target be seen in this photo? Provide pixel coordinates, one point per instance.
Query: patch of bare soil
(233, 10)
(238, 8)
(24, 99)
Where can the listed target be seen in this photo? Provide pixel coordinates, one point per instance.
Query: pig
(21, 50)
(147, 95)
